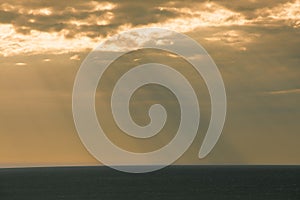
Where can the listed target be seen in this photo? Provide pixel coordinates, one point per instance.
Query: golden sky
(254, 43)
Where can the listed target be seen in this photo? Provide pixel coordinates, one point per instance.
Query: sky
(255, 45)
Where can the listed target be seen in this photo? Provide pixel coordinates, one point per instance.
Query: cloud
(50, 18)
(290, 91)
(37, 42)
(75, 57)
(46, 60)
(202, 15)
(235, 38)
(21, 64)
(287, 13)
(34, 27)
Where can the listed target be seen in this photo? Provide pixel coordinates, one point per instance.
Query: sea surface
(174, 182)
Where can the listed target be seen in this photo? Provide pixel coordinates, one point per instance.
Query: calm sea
(175, 182)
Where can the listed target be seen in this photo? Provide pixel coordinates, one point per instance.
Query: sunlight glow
(202, 15)
(289, 12)
(235, 39)
(21, 64)
(37, 42)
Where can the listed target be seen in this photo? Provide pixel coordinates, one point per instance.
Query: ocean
(173, 182)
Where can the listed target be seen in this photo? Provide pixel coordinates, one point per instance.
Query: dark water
(176, 182)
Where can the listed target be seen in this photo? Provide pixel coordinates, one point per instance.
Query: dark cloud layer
(124, 12)
(63, 12)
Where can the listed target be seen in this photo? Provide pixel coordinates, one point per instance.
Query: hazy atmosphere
(255, 44)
